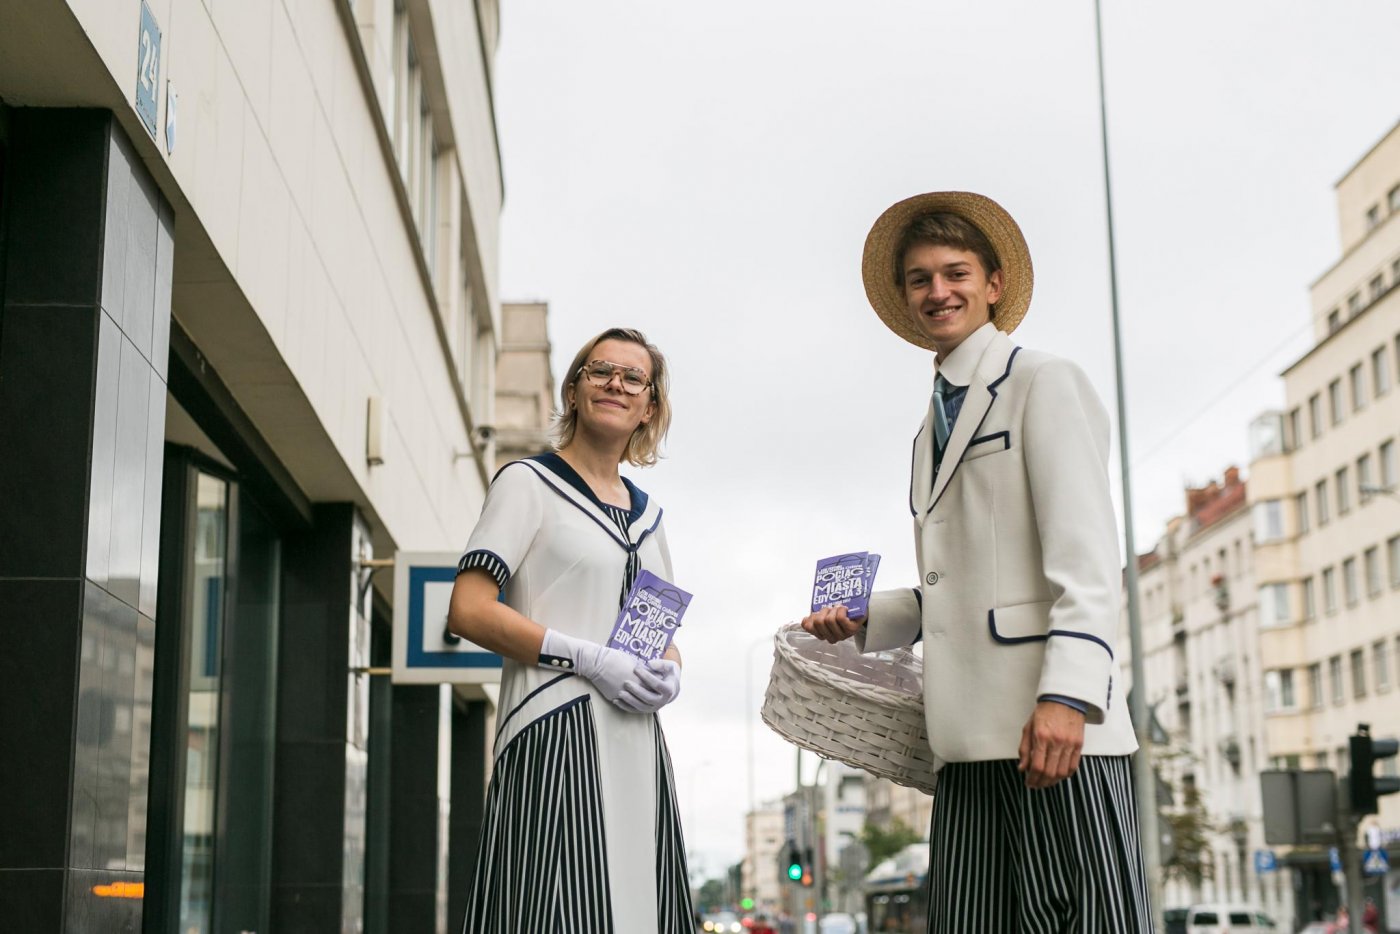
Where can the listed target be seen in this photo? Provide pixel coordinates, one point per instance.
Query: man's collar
(958, 367)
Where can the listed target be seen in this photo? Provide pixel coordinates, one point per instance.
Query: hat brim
(877, 264)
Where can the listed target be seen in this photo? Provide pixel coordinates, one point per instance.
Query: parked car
(1217, 919)
(838, 923)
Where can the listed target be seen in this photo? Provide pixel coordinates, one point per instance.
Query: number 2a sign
(148, 69)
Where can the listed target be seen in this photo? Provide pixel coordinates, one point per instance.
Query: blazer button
(932, 578)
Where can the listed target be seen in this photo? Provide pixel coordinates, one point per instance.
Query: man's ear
(994, 287)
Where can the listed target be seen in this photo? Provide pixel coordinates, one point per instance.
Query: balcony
(1225, 671)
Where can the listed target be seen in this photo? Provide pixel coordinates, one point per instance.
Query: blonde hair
(644, 447)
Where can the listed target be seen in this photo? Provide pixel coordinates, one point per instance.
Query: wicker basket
(864, 710)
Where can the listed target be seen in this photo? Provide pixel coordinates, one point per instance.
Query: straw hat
(878, 263)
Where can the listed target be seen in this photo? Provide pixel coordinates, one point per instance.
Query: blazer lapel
(981, 393)
(921, 470)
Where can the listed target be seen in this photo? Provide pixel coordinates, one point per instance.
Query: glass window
(1390, 468)
(1358, 673)
(1373, 216)
(1300, 511)
(1377, 287)
(1273, 605)
(1353, 303)
(1295, 428)
(1315, 686)
(1394, 199)
(1357, 377)
(1380, 372)
(1349, 581)
(1392, 559)
(1343, 491)
(1334, 321)
(1320, 491)
(1321, 759)
(1334, 671)
(1380, 658)
(1315, 410)
(1278, 690)
(1373, 571)
(1329, 589)
(1364, 480)
(1309, 606)
(1268, 520)
(1334, 401)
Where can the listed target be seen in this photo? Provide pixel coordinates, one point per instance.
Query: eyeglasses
(601, 372)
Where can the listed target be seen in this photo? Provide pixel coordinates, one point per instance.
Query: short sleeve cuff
(486, 561)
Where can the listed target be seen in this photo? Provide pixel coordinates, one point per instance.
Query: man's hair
(944, 229)
(644, 447)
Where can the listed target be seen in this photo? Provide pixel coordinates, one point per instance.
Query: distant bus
(896, 892)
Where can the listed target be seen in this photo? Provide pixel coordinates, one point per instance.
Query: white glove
(610, 670)
(659, 683)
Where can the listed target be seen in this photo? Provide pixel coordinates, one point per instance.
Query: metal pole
(1145, 779)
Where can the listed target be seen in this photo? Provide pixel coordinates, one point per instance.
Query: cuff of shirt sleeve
(487, 561)
(1078, 705)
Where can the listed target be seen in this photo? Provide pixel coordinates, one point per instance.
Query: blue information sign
(1375, 863)
(424, 651)
(1265, 861)
(1335, 859)
(148, 69)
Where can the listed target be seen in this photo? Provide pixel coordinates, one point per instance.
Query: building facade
(1324, 481)
(764, 843)
(248, 260)
(524, 383)
(1200, 609)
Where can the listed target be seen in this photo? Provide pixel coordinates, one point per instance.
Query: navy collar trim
(570, 476)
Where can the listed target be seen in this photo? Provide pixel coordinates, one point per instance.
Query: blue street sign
(1375, 863)
(1335, 859)
(1265, 861)
(424, 652)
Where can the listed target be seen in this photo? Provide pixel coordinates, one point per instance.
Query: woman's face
(609, 409)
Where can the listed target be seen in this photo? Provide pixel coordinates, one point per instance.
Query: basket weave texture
(864, 710)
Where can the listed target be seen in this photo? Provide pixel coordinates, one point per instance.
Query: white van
(1217, 919)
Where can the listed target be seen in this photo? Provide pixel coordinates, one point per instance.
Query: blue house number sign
(148, 69)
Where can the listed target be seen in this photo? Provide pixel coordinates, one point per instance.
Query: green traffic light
(795, 871)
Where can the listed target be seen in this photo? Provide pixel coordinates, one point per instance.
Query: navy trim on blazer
(1018, 640)
(1003, 436)
(913, 457)
(992, 389)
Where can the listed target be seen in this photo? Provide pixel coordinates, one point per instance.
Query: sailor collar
(642, 518)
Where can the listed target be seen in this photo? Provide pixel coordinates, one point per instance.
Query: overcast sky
(707, 172)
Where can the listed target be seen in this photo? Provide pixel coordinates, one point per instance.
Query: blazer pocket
(1020, 623)
(987, 444)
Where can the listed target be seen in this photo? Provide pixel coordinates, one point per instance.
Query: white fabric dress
(581, 830)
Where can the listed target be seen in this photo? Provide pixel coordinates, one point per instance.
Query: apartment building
(249, 325)
(1324, 483)
(764, 842)
(1200, 610)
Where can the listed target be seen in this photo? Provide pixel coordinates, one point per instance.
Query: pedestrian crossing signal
(794, 870)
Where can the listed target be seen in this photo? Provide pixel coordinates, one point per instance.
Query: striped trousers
(1059, 860)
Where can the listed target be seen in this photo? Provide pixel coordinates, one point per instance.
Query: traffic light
(795, 868)
(1365, 787)
(807, 868)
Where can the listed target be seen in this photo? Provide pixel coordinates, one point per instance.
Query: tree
(884, 842)
(712, 894)
(1191, 827)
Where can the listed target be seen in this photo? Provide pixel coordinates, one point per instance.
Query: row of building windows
(1281, 692)
(1371, 476)
(1205, 577)
(1364, 381)
(1374, 214)
(1275, 599)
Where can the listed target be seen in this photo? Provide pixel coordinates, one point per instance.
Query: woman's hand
(831, 624)
(660, 682)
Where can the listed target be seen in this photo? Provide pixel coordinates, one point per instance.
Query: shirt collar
(958, 367)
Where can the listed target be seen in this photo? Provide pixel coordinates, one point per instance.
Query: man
(1034, 826)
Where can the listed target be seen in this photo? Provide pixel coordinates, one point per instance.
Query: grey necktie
(941, 429)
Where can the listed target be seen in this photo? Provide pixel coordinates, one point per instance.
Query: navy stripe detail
(554, 462)
(913, 459)
(1003, 436)
(991, 388)
(488, 561)
(567, 705)
(501, 724)
(1017, 640)
(609, 529)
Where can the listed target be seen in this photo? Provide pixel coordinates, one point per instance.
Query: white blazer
(1018, 558)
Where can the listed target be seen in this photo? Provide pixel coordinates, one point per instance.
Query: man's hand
(1050, 744)
(832, 624)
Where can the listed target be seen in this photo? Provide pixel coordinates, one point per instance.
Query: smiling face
(609, 411)
(948, 293)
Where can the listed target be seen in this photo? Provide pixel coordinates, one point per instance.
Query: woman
(581, 830)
